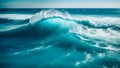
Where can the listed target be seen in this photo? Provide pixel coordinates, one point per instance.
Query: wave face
(57, 39)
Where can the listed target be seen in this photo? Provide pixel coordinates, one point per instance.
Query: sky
(59, 3)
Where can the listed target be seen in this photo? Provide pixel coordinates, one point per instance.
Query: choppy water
(57, 38)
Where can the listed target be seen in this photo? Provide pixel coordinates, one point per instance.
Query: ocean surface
(59, 38)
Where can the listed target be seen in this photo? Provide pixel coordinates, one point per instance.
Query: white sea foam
(77, 63)
(16, 16)
(98, 21)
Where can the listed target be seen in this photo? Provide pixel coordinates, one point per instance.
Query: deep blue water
(60, 38)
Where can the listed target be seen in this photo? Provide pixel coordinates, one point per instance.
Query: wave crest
(48, 13)
(92, 21)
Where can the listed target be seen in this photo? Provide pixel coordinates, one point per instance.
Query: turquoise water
(60, 38)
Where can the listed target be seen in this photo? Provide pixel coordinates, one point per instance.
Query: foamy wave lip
(16, 16)
(48, 13)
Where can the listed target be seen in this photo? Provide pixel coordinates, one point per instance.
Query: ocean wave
(95, 27)
(64, 37)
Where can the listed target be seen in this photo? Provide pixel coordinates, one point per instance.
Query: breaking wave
(55, 38)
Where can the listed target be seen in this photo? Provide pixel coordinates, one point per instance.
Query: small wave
(16, 16)
(9, 24)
